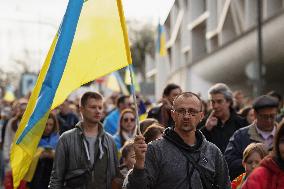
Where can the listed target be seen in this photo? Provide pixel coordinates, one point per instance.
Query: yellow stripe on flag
(99, 47)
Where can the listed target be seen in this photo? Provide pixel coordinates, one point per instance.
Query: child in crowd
(153, 132)
(127, 162)
(127, 157)
(146, 123)
(252, 156)
(270, 173)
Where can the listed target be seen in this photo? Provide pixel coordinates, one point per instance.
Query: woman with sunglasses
(126, 128)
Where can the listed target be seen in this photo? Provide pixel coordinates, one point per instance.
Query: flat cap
(264, 101)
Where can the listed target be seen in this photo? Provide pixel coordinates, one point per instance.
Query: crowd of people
(227, 141)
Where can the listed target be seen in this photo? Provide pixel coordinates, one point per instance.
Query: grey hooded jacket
(72, 160)
(166, 167)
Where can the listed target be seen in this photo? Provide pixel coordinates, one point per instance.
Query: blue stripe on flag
(57, 65)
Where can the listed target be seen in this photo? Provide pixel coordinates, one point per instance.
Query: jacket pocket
(77, 178)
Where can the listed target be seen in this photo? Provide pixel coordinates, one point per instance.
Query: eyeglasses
(128, 119)
(267, 116)
(183, 111)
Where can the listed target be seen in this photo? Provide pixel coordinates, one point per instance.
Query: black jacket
(221, 134)
(66, 121)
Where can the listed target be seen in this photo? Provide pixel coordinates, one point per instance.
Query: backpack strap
(206, 179)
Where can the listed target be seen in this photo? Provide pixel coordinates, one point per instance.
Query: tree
(142, 43)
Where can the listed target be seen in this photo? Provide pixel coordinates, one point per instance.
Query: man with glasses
(182, 158)
(223, 121)
(261, 130)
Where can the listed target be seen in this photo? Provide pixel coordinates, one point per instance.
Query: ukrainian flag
(161, 41)
(91, 42)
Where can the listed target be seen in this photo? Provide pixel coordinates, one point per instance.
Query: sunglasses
(128, 119)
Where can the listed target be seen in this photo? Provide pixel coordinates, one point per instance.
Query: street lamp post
(260, 66)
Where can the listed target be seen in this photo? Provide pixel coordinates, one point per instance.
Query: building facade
(211, 41)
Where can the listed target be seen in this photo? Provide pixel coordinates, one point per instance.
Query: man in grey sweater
(183, 158)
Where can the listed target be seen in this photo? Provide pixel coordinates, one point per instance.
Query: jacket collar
(173, 137)
(80, 127)
(253, 134)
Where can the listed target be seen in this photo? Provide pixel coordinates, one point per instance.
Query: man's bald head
(186, 95)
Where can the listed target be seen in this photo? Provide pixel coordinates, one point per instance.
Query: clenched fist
(140, 148)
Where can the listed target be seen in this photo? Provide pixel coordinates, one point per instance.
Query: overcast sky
(147, 9)
(29, 26)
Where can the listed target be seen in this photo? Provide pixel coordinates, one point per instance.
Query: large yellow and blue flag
(161, 41)
(91, 42)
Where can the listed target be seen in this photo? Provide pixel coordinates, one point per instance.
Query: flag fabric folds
(91, 42)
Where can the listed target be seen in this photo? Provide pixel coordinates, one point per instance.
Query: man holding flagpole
(86, 156)
(182, 158)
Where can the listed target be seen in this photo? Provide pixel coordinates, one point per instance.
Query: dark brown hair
(127, 148)
(169, 88)
(279, 136)
(146, 123)
(55, 121)
(121, 99)
(245, 111)
(152, 132)
(88, 95)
